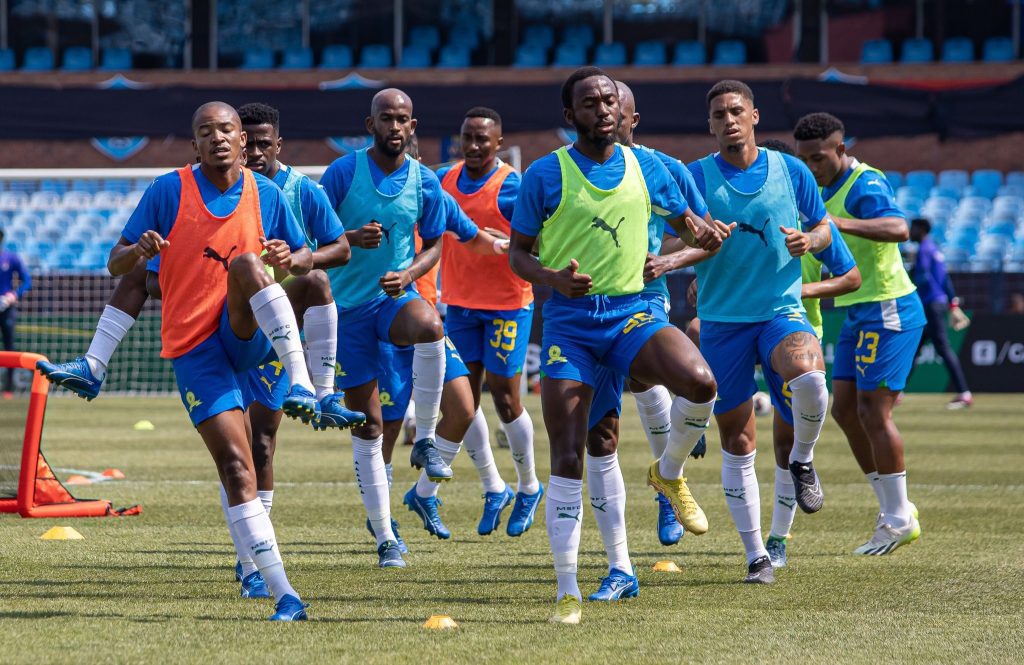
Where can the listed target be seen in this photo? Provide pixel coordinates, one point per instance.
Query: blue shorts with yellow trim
(267, 384)
(874, 357)
(733, 349)
(497, 338)
(394, 382)
(360, 333)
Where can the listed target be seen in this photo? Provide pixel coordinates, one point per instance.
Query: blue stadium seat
(38, 59)
(453, 56)
(77, 59)
(917, 51)
(115, 59)
(530, 55)
(997, 49)
(954, 179)
(689, 54)
(336, 56)
(650, 54)
(958, 49)
(467, 37)
(414, 57)
(876, 52)
(895, 179)
(1011, 190)
(986, 182)
(920, 180)
(1005, 228)
(539, 35)
(6, 60)
(730, 52)
(258, 58)
(569, 55)
(375, 56)
(1015, 178)
(297, 58)
(580, 34)
(610, 55)
(427, 36)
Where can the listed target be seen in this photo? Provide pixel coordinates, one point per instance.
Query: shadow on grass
(35, 615)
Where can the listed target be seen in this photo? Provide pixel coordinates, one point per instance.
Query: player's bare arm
(124, 255)
(568, 281)
(833, 286)
(707, 234)
(280, 256)
(675, 254)
(880, 229)
(332, 255)
(810, 242)
(488, 243)
(365, 237)
(394, 282)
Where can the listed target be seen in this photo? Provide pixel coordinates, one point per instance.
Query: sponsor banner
(119, 148)
(992, 354)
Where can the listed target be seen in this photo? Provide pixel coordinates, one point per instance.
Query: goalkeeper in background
(10, 265)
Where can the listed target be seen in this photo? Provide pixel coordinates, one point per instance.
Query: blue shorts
(394, 382)
(497, 338)
(733, 349)
(267, 384)
(609, 385)
(207, 382)
(582, 334)
(244, 354)
(875, 357)
(360, 331)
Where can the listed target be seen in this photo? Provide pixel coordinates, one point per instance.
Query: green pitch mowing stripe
(160, 587)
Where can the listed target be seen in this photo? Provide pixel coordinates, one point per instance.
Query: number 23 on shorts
(504, 334)
(867, 341)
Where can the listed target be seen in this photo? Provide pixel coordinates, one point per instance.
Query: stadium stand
(297, 58)
(427, 36)
(730, 52)
(530, 55)
(37, 59)
(336, 56)
(413, 56)
(610, 55)
(258, 58)
(453, 56)
(689, 54)
(569, 54)
(115, 59)
(876, 52)
(375, 55)
(998, 49)
(917, 51)
(957, 49)
(77, 59)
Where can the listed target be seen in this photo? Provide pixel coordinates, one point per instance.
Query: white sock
(320, 324)
(266, 497)
(447, 450)
(563, 511)
(520, 441)
(608, 499)
(390, 471)
(689, 422)
(655, 408)
(810, 402)
(876, 487)
(110, 330)
(254, 529)
(741, 495)
(275, 317)
(478, 447)
(427, 382)
(241, 551)
(784, 509)
(368, 460)
(895, 504)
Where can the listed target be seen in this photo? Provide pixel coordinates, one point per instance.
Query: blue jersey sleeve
(457, 221)
(808, 197)
(24, 279)
(319, 215)
(837, 257)
(508, 194)
(432, 222)
(697, 173)
(871, 197)
(157, 209)
(529, 214)
(337, 179)
(666, 198)
(443, 171)
(279, 222)
(686, 183)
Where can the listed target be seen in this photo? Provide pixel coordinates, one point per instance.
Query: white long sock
(876, 487)
(368, 461)
(477, 443)
(810, 402)
(655, 409)
(110, 330)
(784, 509)
(390, 471)
(320, 324)
(563, 511)
(895, 504)
(241, 551)
(254, 529)
(608, 499)
(266, 497)
(447, 450)
(520, 441)
(689, 422)
(427, 381)
(275, 317)
(741, 495)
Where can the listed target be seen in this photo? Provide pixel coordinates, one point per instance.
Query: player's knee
(870, 413)
(506, 403)
(319, 286)
(702, 385)
(370, 430)
(601, 444)
(237, 475)
(248, 268)
(430, 330)
(262, 452)
(566, 463)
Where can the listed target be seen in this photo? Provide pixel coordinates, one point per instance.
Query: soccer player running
(222, 312)
(884, 321)
(382, 196)
(593, 239)
(748, 301)
(490, 326)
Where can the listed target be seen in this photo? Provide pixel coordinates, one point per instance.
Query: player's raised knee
(430, 329)
(702, 386)
(249, 268)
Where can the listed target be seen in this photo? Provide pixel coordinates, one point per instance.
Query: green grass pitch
(160, 587)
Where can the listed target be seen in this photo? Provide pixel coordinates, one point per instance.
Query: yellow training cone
(667, 567)
(62, 533)
(144, 426)
(440, 622)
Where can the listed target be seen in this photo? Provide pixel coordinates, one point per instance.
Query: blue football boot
(700, 449)
(617, 586)
(388, 555)
(494, 504)
(402, 547)
(426, 508)
(300, 403)
(333, 413)
(523, 511)
(669, 528)
(289, 608)
(238, 570)
(254, 586)
(424, 456)
(74, 375)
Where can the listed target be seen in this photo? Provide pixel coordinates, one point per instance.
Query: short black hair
(818, 126)
(258, 113)
(576, 77)
(484, 112)
(728, 86)
(778, 145)
(923, 224)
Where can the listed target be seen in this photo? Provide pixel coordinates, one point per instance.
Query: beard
(381, 143)
(597, 139)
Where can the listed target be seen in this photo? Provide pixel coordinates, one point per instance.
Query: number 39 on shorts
(868, 342)
(504, 334)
